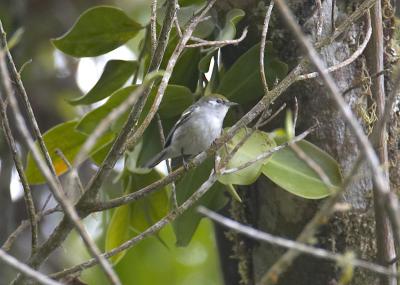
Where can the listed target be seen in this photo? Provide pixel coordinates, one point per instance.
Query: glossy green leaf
(130, 220)
(64, 137)
(114, 76)
(185, 71)
(91, 119)
(242, 82)
(232, 18)
(100, 154)
(291, 173)
(97, 31)
(259, 142)
(186, 224)
(151, 144)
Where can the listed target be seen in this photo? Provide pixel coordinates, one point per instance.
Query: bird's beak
(231, 104)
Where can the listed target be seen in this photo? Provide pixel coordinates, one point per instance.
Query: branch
(268, 153)
(384, 232)
(192, 24)
(262, 45)
(153, 26)
(30, 206)
(293, 245)
(15, 76)
(168, 163)
(219, 44)
(148, 232)
(26, 270)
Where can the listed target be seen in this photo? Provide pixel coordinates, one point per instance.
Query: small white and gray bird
(195, 131)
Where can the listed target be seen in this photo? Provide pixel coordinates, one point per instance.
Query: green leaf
(130, 220)
(185, 71)
(232, 18)
(91, 119)
(258, 143)
(115, 74)
(118, 231)
(97, 31)
(186, 224)
(291, 173)
(151, 144)
(242, 82)
(64, 137)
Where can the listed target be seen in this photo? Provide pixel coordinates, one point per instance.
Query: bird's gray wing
(184, 117)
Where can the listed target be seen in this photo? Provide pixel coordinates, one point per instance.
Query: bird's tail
(156, 159)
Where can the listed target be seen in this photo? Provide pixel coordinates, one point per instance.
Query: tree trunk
(273, 210)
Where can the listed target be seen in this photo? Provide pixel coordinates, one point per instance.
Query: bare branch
(222, 43)
(15, 76)
(169, 169)
(262, 45)
(153, 26)
(268, 153)
(30, 206)
(148, 232)
(26, 270)
(286, 243)
(12, 237)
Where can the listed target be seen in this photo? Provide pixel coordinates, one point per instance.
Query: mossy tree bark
(271, 209)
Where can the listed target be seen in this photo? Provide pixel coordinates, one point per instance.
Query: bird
(195, 131)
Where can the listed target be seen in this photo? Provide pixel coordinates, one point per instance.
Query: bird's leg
(184, 162)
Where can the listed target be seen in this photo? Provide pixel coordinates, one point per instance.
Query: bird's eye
(219, 101)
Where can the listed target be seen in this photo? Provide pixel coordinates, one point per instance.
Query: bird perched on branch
(198, 126)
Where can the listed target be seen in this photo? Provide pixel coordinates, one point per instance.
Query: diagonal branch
(30, 206)
(293, 245)
(25, 269)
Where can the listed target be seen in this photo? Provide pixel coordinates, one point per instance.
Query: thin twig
(169, 169)
(286, 243)
(26, 270)
(13, 236)
(221, 43)
(23, 225)
(178, 28)
(262, 45)
(269, 119)
(349, 60)
(15, 76)
(29, 203)
(314, 166)
(296, 114)
(153, 26)
(268, 153)
(73, 179)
